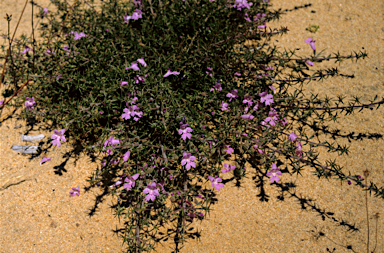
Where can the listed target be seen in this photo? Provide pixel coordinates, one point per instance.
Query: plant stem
(366, 205)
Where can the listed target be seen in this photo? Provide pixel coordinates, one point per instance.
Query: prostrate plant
(160, 90)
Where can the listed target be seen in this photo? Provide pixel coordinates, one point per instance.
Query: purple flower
(171, 73)
(140, 78)
(132, 111)
(27, 49)
(123, 83)
(247, 116)
(29, 104)
(126, 18)
(298, 145)
(137, 14)
(258, 149)
(246, 17)
(272, 118)
(79, 35)
(232, 95)
(274, 173)
(216, 182)
(216, 87)
(45, 11)
(151, 191)
(259, 16)
(266, 98)
(50, 52)
(57, 137)
(133, 66)
(272, 88)
(228, 168)
(309, 63)
(262, 26)
(185, 131)
(187, 159)
(71, 32)
(229, 150)
(292, 136)
(311, 43)
(111, 142)
(129, 182)
(1, 102)
(242, 4)
(126, 156)
(224, 106)
(142, 62)
(45, 159)
(66, 48)
(75, 191)
(209, 69)
(248, 100)
(119, 182)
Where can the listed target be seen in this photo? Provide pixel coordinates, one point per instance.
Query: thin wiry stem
(366, 205)
(10, 44)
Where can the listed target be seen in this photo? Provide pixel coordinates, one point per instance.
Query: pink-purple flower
(29, 104)
(217, 87)
(142, 62)
(75, 191)
(224, 106)
(292, 136)
(273, 173)
(123, 83)
(57, 137)
(242, 4)
(309, 63)
(266, 98)
(132, 111)
(299, 151)
(247, 116)
(311, 42)
(140, 78)
(45, 159)
(133, 66)
(152, 192)
(232, 95)
(228, 168)
(135, 16)
(45, 11)
(188, 160)
(27, 49)
(185, 131)
(216, 182)
(126, 156)
(259, 16)
(229, 150)
(248, 100)
(111, 142)
(169, 72)
(129, 181)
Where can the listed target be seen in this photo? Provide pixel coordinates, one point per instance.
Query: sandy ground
(37, 214)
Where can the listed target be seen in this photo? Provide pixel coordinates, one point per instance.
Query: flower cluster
(135, 16)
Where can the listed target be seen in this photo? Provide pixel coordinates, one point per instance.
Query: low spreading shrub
(164, 95)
